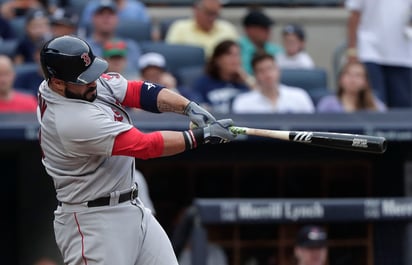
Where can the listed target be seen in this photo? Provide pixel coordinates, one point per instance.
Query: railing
(395, 125)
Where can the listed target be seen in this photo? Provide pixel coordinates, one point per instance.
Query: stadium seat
(314, 81)
(135, 30)
(25, 68)
(177, 56)
(186, 76)
(165, 24)
(8, 47)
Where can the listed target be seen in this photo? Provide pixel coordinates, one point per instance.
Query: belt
(104, 201)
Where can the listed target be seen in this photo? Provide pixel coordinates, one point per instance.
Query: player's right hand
(218, 132)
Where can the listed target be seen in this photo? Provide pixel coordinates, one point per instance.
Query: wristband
(198, 135)
(193, 138)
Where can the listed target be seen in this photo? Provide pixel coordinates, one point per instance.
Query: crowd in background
(241, 72)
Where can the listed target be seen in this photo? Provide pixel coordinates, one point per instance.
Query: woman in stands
(223, 78)
(354, 92)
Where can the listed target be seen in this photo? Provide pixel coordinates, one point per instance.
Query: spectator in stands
(385, 48)
(223, 78)
(153, 68)
(127, 10)
(29, 81)
(257, 28)
(6, 31)
(105, 21)
(10, 99)
(204, 29)
(115, 53)
(354, 92)
(295, 56)
(271, 96)
(37, 29)
(19, 8)
(311, 246)
(64, 22)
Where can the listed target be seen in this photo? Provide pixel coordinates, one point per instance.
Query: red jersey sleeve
(137, 144)
(143, 95)
(133, 92)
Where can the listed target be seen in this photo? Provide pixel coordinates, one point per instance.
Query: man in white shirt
(271, 96)
(377, 36)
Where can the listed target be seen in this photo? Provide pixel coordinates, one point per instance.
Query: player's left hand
(198, 115)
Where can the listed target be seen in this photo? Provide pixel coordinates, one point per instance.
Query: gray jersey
(77, 139)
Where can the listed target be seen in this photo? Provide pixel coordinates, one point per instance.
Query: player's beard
(83, 96)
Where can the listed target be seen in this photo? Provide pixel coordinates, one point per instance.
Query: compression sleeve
(137, 144)
(142, 94)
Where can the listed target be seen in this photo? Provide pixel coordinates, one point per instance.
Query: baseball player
(89, 147)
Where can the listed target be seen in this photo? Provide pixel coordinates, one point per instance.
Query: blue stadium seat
(186, 76)
(314, 81)
(25, 68)
(8, 47)
(177, 56)
(135, 30)
(165, 24)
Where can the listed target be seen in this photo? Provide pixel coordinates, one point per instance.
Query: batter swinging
(89, 147)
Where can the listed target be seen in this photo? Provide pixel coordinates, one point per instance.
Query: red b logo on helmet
(86, 58)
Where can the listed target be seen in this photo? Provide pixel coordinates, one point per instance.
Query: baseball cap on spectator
(152, 59)
(311, 236)
(105, 4)
(294, 29)
(64, 16)
(114, 48)
(257, 18)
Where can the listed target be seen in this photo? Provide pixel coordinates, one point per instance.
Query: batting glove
(215, 133)
(198, 115)
(218, 132)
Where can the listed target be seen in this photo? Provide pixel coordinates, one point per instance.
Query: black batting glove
(198, 115)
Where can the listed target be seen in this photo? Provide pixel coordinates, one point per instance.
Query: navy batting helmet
(71, 59)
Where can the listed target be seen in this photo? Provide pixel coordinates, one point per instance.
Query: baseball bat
(346, 141)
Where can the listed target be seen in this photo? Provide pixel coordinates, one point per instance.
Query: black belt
(104, 201)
